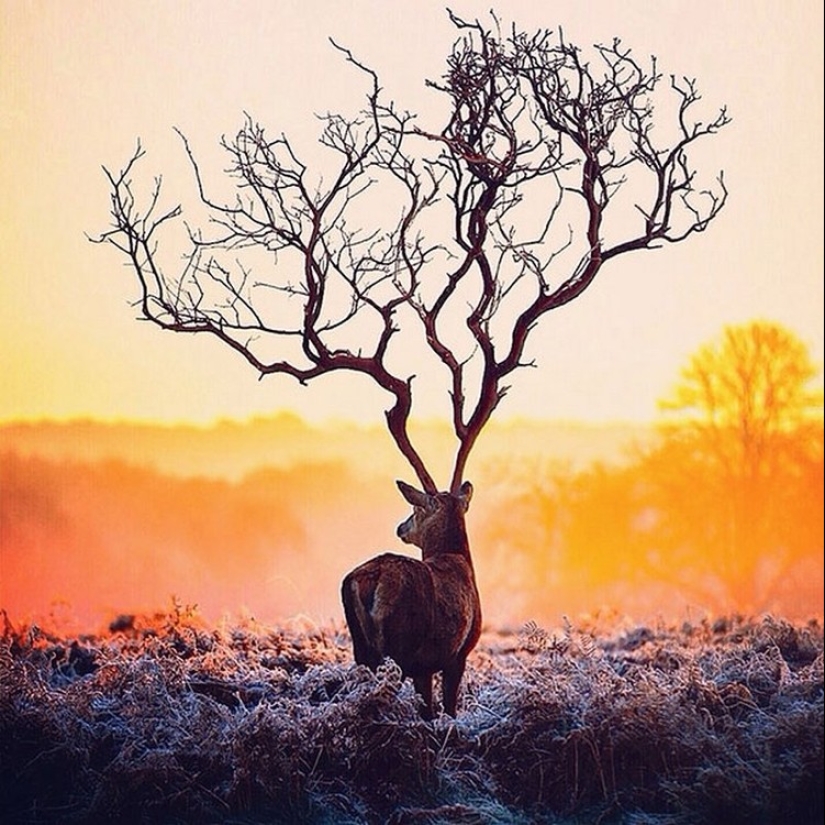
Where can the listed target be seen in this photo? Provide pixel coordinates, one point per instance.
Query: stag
(425, 615)
(446, 244)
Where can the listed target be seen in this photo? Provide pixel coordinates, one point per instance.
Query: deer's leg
(424, 688)
(362, 652)
(451, 680)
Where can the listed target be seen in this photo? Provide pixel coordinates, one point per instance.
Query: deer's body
(423, 614)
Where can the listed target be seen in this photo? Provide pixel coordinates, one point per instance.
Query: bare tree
(452, 241)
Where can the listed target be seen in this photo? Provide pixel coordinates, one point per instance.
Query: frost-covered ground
(168, 721)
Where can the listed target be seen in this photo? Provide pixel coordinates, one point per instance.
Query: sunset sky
(81, 81)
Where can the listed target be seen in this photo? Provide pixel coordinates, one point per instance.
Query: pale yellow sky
(80, 81)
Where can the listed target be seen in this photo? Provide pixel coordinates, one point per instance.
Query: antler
(334, 304)
(530, 127)
(527, 114)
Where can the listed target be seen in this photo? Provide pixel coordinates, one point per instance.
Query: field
(166, 719)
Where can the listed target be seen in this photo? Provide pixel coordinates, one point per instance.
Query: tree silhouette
(738, 473)
(448, 242)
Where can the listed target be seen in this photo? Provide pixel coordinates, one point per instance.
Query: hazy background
(264, 518)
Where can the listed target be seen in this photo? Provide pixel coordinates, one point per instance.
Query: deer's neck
(451, 540)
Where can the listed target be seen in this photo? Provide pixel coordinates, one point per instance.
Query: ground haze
(264, 518)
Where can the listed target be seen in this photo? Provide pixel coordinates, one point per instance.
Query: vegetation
(743, 429)
(165, 719)
(168, 719)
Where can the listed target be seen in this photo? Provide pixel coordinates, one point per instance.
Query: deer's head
(437, 521)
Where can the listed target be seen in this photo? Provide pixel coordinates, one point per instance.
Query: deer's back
(422, 614)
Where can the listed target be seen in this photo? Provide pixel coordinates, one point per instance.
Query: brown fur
(426, 614)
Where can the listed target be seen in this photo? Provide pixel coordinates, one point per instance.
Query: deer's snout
(404, 529)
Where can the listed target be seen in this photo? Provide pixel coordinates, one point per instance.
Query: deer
(452, 276)
(425, 614)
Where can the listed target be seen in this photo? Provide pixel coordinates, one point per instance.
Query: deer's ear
(465, 493)
(413, 496)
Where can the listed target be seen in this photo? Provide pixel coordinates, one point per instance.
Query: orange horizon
(113, 532)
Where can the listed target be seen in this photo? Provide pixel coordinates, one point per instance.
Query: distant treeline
(231, 449)
(647, 535)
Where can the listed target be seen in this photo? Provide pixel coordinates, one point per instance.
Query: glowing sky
(80, 81)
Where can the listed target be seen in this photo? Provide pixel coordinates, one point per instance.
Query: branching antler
(532, 130)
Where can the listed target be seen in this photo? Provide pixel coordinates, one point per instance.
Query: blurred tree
(736, 481)
(567, 539)
(724, 509)
(522, 533)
